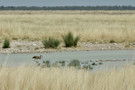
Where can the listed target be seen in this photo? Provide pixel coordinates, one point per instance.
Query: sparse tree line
(67, 8)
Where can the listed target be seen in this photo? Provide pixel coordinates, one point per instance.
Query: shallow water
(19, 59)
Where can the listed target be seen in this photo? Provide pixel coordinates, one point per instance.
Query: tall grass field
(35, 78)
(93, 26)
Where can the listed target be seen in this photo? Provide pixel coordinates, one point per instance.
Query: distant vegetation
(70, 40)
(68, 8)
(51, 43)
(6, 43)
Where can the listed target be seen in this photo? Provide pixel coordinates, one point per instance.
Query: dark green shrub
(75, 63)
(6, 43)
(70, 40)
(51, 43)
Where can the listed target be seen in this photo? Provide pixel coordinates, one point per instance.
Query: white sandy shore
(18, 46)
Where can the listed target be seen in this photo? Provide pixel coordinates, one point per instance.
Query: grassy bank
(34, 78)
(101, 26)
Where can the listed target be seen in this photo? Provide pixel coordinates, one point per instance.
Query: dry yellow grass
(91, 25)
(34, 78)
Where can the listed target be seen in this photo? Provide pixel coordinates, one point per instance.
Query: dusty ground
(37, 46)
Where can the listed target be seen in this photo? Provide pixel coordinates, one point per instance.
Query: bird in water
(37, 57)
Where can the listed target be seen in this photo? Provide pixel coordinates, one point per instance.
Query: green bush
(6, 43)
(75, 63)
(70, 40)
(51, 43)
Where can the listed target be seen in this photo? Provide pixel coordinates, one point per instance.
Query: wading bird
(37, 57)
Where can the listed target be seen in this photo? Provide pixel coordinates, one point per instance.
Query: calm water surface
(18, 59)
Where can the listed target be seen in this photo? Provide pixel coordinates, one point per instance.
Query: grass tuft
(70, 40)
(51, 43)
(35, 78)
(6, 43)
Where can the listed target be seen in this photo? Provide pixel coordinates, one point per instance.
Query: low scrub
(6, 43)
(51, 43)
(70, 40)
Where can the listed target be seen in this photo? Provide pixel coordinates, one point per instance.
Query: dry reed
(100, 26)
(35, 78)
